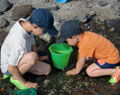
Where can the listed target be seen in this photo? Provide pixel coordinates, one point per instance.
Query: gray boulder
(3, 23)
(21, 12)
(4, 5)
(3, 35)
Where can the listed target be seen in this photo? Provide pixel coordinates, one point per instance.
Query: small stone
(46, 82)
(2, 89)
(1, 78)
(111, 29)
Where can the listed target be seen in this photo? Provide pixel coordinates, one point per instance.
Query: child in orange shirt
(91, 45)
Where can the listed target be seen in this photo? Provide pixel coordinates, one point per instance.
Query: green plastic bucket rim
(71, 49)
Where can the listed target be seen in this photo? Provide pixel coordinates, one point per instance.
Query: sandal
(7, 75)
(17, 83)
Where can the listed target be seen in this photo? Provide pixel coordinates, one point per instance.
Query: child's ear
(35, 26)
(73, 36)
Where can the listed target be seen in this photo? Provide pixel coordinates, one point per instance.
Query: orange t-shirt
(97, 46)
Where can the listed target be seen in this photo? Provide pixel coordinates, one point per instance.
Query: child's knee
(89, 72)
(48, 70)
(32, 57)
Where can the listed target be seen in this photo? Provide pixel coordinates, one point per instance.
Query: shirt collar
(24, 33)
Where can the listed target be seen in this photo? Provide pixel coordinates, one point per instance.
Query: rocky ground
(100, 16)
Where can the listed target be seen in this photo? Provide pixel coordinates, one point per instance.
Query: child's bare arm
(79, 65)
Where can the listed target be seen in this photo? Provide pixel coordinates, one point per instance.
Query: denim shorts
(103, 64)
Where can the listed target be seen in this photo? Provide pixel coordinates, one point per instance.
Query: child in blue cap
(91, 45)
(19, 53)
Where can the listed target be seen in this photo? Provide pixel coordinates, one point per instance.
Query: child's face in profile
(37, 31)
(72, 41)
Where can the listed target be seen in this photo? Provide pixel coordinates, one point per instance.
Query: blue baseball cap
(68, 29)
(44, 19)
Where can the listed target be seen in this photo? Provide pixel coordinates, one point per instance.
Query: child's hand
(43, 58)
(31, 85)
(71, 72)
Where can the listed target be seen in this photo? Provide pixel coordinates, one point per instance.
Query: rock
(3, 34)
(113, 23)
(46, 37)
(21, 12)
(46, 82)
(4, 6)
(3, 23)
(47, 1)
(112, 29)
(87, 18)
(71, 10)
(81, 18)
(57, 25)
(51, 6)
(118, 0)
(103, 3)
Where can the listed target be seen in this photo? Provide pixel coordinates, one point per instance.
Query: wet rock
(113, 23)
(3, 23)
(87, 18)
(21, 12)
(3, 34)
(103, 3)
(118, 13)
(112, 29)
(46, 82)
(118, 0)
(41, 44)
(4, 6)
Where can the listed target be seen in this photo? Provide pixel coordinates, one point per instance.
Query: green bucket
(29, 91)
(60, 54)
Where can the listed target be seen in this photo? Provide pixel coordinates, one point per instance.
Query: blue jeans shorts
(103, 64)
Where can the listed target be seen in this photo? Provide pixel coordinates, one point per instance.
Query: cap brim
(52, 31)
(61, 40)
